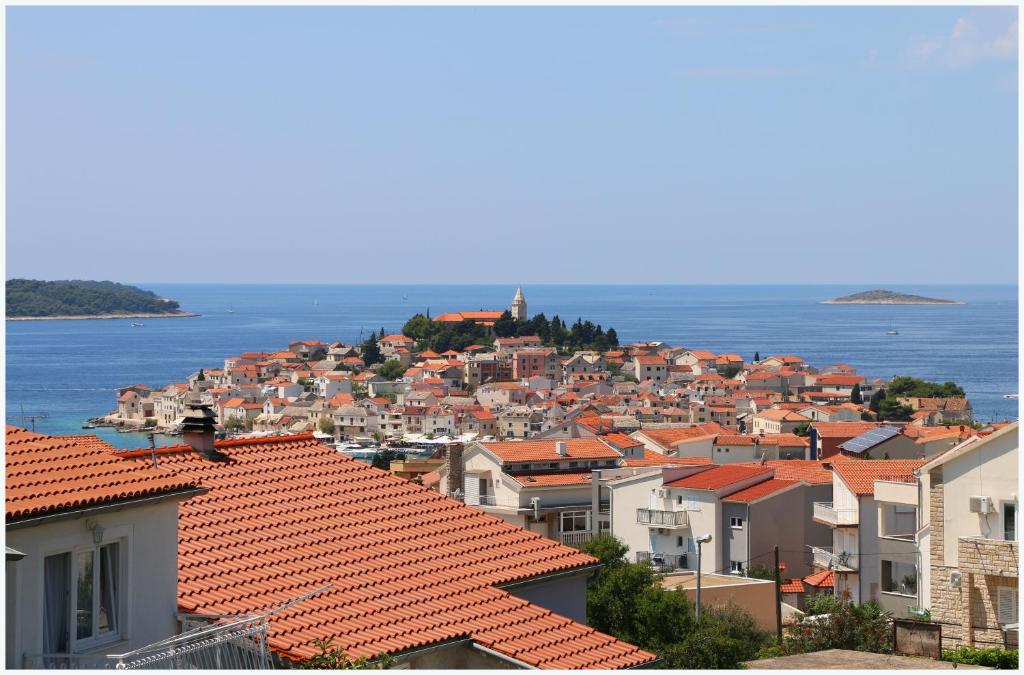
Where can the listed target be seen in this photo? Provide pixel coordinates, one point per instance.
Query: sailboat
(231, 309)
(136, 324)
(892, 330)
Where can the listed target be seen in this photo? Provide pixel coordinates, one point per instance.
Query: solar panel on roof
(869, 439)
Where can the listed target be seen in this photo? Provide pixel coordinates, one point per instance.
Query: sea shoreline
(83, 317)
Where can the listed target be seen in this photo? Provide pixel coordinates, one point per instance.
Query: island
(885, 297)
(32, 299)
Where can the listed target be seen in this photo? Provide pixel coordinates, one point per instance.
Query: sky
(513, 145)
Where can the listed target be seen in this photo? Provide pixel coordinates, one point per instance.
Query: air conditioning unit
(662, 493)
(982, 505)
(662, 530)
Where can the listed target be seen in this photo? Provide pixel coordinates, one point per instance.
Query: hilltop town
(394, 388)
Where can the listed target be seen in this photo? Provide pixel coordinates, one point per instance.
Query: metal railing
(575, 538)
(68, 662)
(827, 513)
(656, 518)
(663, 561)
(840, 561)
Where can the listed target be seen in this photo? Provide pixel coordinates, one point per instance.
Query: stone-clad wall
(967, 613)
(986, 564)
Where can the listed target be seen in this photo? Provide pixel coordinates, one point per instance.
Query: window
(91, 613)
(1009, 521)
(736, 567)
(736, 523)
(898, 577)
(1006, 601)
(679, 541)
(574, 521)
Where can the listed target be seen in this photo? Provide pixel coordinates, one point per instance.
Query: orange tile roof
(47, 474)
(719, 477)
(807, 470)
(839, 380)
(861, 475)
(544, 450)
(652, 458)
(761, 490)
(620, 440)
(550, 479)
(842, 429)
(792, 586)
(766, 439)
(408, 567)
(821, 579)
(782, 415)
(669, 437)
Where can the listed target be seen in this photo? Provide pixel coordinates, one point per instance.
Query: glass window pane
(83, 608)
(57, 603)
(107, 618)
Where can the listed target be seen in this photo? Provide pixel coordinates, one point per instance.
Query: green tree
(371, 352)
(505, 326)
(891, 409)
(419, 328)
(612, 338)
(326, 426)
(802, 429)
(757, 357)
(382, 458)
(730, 371)
(760, 572)
(855, 396)
(201, 377)
(234, 423)
(392, 369)
(876, 401)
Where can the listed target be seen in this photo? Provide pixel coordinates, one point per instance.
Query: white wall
(149, 535)
(990, 470)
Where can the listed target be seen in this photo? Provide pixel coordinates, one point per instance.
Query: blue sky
(513, 145)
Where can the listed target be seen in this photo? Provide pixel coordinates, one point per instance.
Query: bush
(865, 627)
(991, 657)
(335, 658)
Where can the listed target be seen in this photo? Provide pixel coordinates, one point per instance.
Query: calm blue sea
(69, 369)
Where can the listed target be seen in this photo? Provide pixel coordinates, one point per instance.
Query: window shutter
(1007, 600)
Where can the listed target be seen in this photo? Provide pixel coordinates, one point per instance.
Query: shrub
(335, 658)
(990, 657)
(865, 627)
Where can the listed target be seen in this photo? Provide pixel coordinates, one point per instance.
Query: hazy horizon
(538, 145)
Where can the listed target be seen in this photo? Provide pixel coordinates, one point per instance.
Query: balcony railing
(663, 561)
(575, 539)
(838, 561)
(825, 512)
(656, 518)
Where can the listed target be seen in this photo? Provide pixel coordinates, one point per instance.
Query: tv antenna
(31, 418)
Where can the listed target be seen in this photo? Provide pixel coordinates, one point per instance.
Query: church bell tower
(519, 306)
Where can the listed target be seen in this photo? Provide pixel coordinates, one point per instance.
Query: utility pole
(701, 540)
(778, 597)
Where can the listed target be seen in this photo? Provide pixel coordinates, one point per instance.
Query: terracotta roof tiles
(47, 474)
(861, 475)
(408, 567)
(719, 477)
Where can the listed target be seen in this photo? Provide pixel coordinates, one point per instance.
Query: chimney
(560, 448)
(455, 468)
(197, 428)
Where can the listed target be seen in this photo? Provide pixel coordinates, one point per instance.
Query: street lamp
(702, 539)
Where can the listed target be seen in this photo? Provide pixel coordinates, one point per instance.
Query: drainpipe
(595, 502)
(507, 659)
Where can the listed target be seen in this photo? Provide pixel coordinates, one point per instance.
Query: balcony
(575, 539)
(840, 562)
(662, 561)
(825, 512)
(656, 518)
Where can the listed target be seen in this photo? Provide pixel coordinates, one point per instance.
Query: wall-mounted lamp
(97, 530)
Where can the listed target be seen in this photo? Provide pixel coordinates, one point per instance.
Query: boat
(88, 425)
(1013, 396)
(892, 330)
(136, 324)
(231, 309)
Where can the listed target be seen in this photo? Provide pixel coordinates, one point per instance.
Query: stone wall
(986, 564)
(947, 602)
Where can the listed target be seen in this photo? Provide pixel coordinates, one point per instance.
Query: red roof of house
(784, 440)
(839, 380)
(550, 479)
(761, 490)
(408, 567)
(821, 579)
(807, 470)
(719, 477)
(668, 437)
(792, 586)
(652, 458)
(861, 475)
(544, 450)
(47, 474)
(842, 429)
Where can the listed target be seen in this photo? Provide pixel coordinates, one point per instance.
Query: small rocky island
(885, 297)
(33, 299)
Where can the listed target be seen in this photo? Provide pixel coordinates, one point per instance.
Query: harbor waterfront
(68, 371)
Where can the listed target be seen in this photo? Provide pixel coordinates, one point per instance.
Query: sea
(60, 373)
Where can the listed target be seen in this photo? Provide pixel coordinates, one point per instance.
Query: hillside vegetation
(31, 298)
